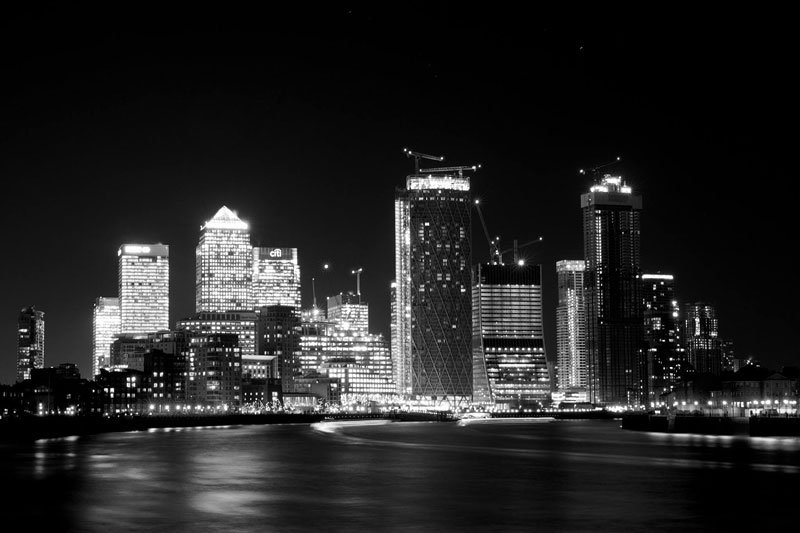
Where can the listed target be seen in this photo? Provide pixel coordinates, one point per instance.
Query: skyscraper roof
(226, 219)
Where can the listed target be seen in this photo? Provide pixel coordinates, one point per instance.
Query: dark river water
(393, 476)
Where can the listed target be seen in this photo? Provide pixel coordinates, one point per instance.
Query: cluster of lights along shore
(463, 333)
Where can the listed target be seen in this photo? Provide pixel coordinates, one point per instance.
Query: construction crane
(516, 248)
(494, 251)
(593, 171)
(357, 272)
(460, 169)
(419, 155)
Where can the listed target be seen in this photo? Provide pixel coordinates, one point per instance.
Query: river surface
(397, 476)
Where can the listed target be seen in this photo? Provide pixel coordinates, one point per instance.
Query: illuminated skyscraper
(224, 261)
(105, 328)
(613, 292)
(276, 277)
(662, 335)
(571, 327)
(143, 288)
(349, 313)
(510, 366)
(703, 347)
(30, 342)
(433, 257)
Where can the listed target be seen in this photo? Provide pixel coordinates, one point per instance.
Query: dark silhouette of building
(703, 347)
(30, 341)
(664, 350)
(278, 334)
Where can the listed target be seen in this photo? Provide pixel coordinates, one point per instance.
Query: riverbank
(757, 426)
(45, 427)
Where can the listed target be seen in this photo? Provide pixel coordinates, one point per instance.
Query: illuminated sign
(281, 254)
(135, 249)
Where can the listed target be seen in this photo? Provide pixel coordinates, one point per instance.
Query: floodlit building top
(443, 181)
(226, 219)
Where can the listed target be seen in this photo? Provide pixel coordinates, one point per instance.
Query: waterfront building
(573, 373)
(127, 351)
(224, 265)
(143, 288)
(164, 376)
(106, 324)
(703, 348)
(664, 351)
(433, 328)
(240, 323)
(260, 382)
(365, 356)
(279, 336)
(30, 341)
(276, 277)
(510, 364)
(123, 390)
(215, 371)
(611, 229)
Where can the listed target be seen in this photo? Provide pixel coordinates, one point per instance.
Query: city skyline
(115, 109)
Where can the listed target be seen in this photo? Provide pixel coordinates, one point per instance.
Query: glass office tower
(510, 366)
(105, 328)
(433, 354)
(224, 265)
(276, 277)
(143, 288)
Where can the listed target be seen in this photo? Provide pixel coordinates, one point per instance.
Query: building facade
(664, 351)
(279, 336)
(106, 325)
(703, 347)
(276, 277)
(611, 229)
(433, 355)
(509, 361)
(349, 312)
(224, 265)
(573, 373)
(143, 288)
(240, 323)
(30, 342)
(215, 371)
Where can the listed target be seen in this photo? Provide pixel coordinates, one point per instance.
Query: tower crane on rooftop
(516, 248)
(495, 254)
(419, 155)
(595, 170)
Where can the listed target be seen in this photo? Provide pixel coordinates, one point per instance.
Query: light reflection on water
(577, 475)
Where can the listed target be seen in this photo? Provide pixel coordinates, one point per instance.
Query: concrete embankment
(43, 427)
(713, 425)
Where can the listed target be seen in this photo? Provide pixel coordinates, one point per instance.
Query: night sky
(131, 126)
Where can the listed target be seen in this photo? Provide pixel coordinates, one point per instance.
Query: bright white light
(521, 262)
